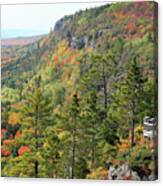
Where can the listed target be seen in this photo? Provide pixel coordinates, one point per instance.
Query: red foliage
(56, 59)
(5, 152)
(127, 178)
(49, 63)
(132, 26)
(23, 149)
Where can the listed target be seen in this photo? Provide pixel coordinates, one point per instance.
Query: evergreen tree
(91, 121)
(134, 93)
(74, 113)
(72, 147)
(37, 117)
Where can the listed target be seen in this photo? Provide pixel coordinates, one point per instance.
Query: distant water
(13, 33)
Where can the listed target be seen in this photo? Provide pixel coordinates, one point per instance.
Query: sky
(35, 19)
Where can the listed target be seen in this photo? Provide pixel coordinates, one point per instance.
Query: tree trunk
(133, 133)
(36, 168)
(73, 153)
(37, 146)
(133, 125)
(105, 89)
(93, 151)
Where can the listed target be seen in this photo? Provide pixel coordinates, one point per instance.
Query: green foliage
(139, 157)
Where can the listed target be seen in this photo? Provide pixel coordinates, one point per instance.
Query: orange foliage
(99, 173)
(5, 152)
(125, 144)
(23, 149)
(131, 26)
(73, 58)
(7, 142)
(14, 118)
(119, 15)
(68, 55)
(104, 173)
(18, 134)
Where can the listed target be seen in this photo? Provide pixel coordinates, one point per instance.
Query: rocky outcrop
(68, 29)
(123, 172)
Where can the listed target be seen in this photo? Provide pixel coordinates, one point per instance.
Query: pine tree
(91, 121)
(134, 92)
(74, 111)
(95, 89)
(99, 78)
(71, 135)
(37, 117)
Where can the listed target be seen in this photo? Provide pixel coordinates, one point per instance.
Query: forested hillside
(19, 41)
(73, 102)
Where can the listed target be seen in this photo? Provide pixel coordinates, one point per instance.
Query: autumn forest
(75, 101)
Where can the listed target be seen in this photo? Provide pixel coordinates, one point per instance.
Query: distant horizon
(32, 20)
(20, 33)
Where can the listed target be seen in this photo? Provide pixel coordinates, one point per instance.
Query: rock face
(80, 36)
(123, 172)
(78, 43)
(58, 25)
(74, 41)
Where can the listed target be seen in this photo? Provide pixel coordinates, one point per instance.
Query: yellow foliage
(99, 173)
(62, 47)
(89, 50)
(69, 83)
(139, 139)
(139, 128)
(46, 145)
(63, 135)
(14, 118)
